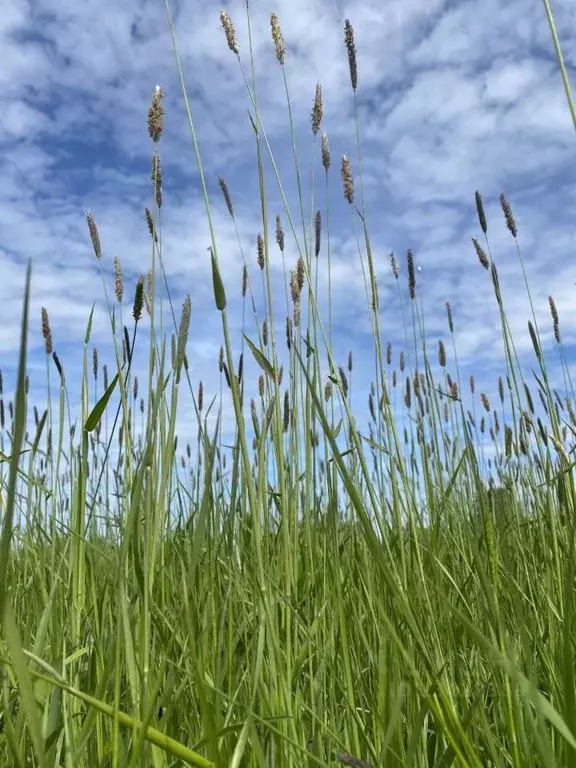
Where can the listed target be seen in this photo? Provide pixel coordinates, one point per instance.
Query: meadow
(387, 587)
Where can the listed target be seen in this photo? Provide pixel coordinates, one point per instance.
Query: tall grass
(395, 593)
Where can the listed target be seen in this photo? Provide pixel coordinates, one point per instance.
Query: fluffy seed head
(554, 313)
(138, 300)
(482, 258)
(118, 282)
(156, 115)
(46, 332)
(317, 110)
(347, 181)
(441, 354)
(480, 211)
(277, 38)
(260, 252)
(279, 234)
(449, 314)
(244, 280)
(508, 215)
(411, 274)
(351, 49)
(325, 152)
(224, 187)
(94, 236)
(229, 31)
(156, 177)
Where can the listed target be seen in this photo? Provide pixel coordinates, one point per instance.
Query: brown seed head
(449, 314)
(402, 361)
(325, 152)
(118, 282)
(150, 223)
(260, 251)
(394, 266)
(351, 49)
(289, 333)
(265, 333)
(94, 236)
(411, 274)
(229, 31)
(261, 386)
(227, 199)
(277, 38)
(300, 273)
(344, 381)
(279, 234)
(317, 110)
(554, 313)
(95, 362)
(347, 181)
(508, 215)
(441, 354)
(46, 332)
(156, 115)
(535, 343)
(286, 423)
(482, 258)
(485, 402)
(480, 211)
(317, 232)
(157, 179)
(221, 360)
(138, 300)
(244, 280)
(328, 390)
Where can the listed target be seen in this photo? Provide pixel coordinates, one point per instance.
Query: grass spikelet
(394, 265)
(118, 282)
(138, 300)
(289, 333)
(183, 334)
(227, 199)
(317, 110)
(278, 38)
(317, 232)
(482, 258)
(480, 212)
(344, 381)
(347, 181)
(95, 362)
(229, 31)
(411, 274)
(441, 354)
(286, 419)
(156, 115)
(156, 176)
(508, 215)
(351, 50)
(279, 234)
(328, 391)
(58, 364)
(449, 315)
(388, 353)
(501, 389)
(150, 223)
(326, 160)
(46, 331)
(535, 343)
(244, 280)
(402, 361)
(554, 313)
(260, 252)
(200, 398)
(94, 236)
(485, 402)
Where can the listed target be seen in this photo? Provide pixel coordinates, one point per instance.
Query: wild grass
(389, 591)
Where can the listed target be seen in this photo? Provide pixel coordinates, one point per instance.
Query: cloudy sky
(453, 97)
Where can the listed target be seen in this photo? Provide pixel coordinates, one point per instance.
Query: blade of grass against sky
(391, 592)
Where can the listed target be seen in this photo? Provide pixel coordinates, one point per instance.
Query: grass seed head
(411, 274)
(279, 234)
(347, 181)
(46, 332)
(480, 211)
(156, 115)
(260, 252)
(508, 215)
(325, 152)
(229, 31)
(277, 38)
(317, 110)
(227, 199)
(94, 236)
(482, 258)
(351, 50)
(118, 282)
(317, 232)
(554, 313)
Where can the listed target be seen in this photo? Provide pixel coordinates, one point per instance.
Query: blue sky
(453, 97)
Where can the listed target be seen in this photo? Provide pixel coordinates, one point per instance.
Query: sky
(453, 96)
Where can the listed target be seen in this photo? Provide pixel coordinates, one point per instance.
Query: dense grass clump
(385, 585)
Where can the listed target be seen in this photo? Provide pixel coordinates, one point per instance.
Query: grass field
(389, 591)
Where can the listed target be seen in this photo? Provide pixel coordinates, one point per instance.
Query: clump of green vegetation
(313, 592)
